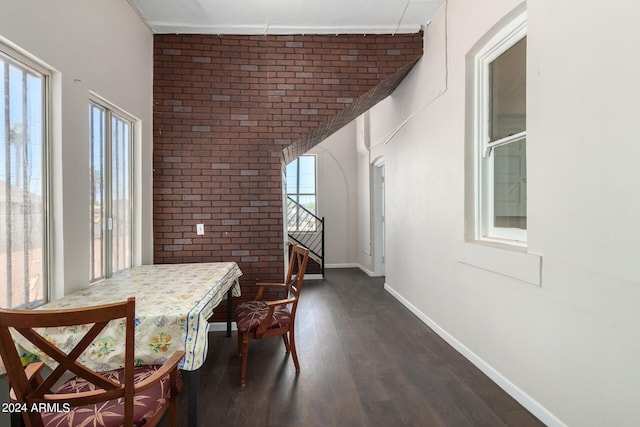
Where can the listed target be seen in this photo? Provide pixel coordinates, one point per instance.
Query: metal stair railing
(306, 229)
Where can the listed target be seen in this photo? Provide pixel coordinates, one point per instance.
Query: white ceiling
(286, 16)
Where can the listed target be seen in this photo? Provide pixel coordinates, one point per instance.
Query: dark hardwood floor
(365, 361)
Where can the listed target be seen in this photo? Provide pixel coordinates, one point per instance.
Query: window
(301, 189)
(23, 183)
(111, 187)
(501, 136)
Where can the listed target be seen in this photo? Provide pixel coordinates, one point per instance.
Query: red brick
(224, 108)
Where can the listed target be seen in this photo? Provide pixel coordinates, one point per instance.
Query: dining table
(174, 303)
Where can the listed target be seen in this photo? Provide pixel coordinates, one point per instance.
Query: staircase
(306, 229)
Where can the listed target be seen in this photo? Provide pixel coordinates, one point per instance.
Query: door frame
(378, 216)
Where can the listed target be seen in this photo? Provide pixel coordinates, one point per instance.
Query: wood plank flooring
(365, 361)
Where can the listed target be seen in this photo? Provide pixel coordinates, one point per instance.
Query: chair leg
(292, 347)
(245, 356)
(239, 344)
(286, 342)
(173, 410)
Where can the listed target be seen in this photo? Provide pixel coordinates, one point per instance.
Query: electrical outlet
(200, 229)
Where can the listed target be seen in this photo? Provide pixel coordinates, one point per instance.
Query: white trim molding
(485, 228)
(532, 405)
(353, 265)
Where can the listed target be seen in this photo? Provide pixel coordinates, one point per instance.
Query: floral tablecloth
(173, 305)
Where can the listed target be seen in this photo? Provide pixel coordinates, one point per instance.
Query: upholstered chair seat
(252, 313)
(263, 318)
(147, 403)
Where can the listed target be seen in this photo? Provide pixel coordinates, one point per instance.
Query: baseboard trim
(532, 405)
(368, 272)
(342, 265)
(352, 265)
(221, 326)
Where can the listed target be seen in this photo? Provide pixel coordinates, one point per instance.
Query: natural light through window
(23, 184)
(301, 189)
(110, 249)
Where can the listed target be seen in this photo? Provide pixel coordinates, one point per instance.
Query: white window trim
(496, 46)
(48, 73)
(134, 173)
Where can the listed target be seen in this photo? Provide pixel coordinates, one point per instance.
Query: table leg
(16, 420)
(192, 378)
(229, 314)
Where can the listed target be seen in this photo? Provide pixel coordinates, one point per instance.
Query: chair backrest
(295, 274)
(31, 325)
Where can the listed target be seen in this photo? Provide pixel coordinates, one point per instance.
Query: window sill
(506, 260)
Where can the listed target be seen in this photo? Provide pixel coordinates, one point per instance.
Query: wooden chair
(262, 319)
(127, 396)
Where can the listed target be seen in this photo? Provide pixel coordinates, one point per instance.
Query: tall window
(23, 184)
(502, 135)
(301, 188)
(111, 204)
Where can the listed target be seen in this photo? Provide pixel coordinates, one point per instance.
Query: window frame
(298, 229)
(25, 61)
(485, 228)
(108, 225)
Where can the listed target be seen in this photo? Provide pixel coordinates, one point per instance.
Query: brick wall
(224, 109)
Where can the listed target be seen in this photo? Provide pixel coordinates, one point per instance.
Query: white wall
(363, 168)
(100, 46)
(569, 349)
(337, 195)
(344, 195)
